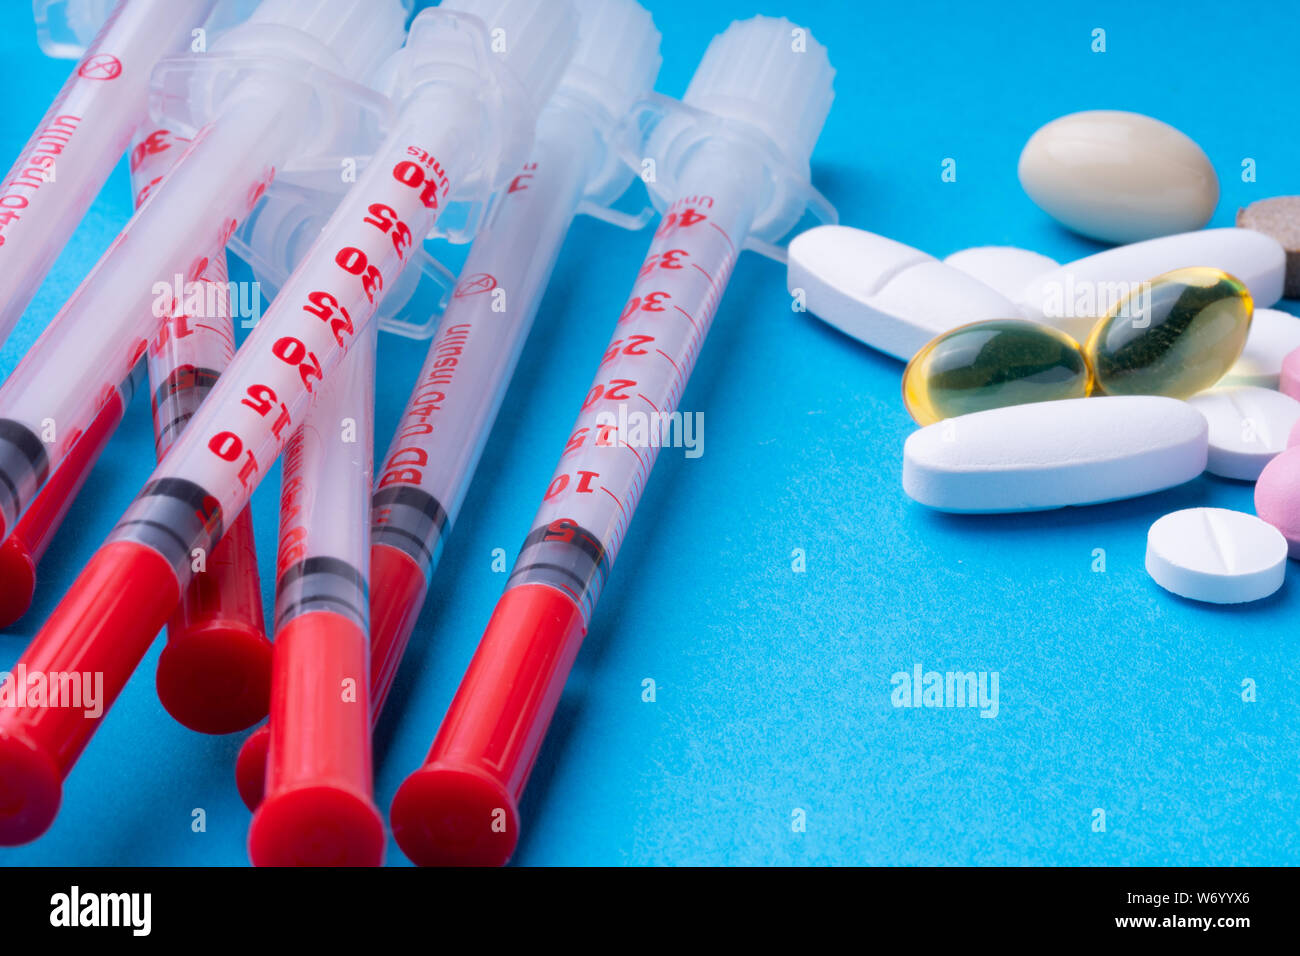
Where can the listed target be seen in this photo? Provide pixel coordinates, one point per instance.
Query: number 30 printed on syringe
(295, 353)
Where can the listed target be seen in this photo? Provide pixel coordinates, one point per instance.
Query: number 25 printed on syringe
(352, 262)
(658, 338)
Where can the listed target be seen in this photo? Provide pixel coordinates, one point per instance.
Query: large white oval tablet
(1249, 426)
(885, 293)
(1273, 336)
(1216, 555)
(1078, 451)
(1005, 269)
(1073, 296)
(1118, 177)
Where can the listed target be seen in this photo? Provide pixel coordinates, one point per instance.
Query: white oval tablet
(1005, 269)
(1078, 451)
(1248, 425)
(1118, 176)
(1273, 335)
(1216, 555)
(1073, 296)
(885, 293)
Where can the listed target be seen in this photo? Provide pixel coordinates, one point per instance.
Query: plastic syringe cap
(507, 55)
(617, 56)
(615, 62)
(533, 38)
(85, 17)
(65, 28)
(228, 14)
(771, 74)
(356, 35)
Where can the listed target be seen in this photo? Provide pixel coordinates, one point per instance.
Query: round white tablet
(1216, 555)
(1248, 428)
(1273, 335)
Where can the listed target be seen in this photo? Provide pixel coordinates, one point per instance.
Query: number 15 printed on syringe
(261, 399)
(297, 364)
(601, 476)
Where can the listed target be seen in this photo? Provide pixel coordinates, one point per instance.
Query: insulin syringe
(736, 163)
(320, 809)
(260, 88)
(80, 140)
(66, 28)
(426, 473)
(214, 674)
(464, 113)
(22, 551)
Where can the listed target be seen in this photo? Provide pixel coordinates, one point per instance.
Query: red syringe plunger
(461, 807)
(214, 674)
(101, 629)
(316, 813)
(396, 596)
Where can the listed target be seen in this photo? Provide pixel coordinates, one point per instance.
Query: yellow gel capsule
(1175, 335)
(990, 365)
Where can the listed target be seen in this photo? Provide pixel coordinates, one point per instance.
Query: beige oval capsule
(1119, 176)
(993, 364)
(1175, 335)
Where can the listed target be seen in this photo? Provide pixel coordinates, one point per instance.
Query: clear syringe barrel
(103, 329)
(80, 139)
(319, 762)
(214, 674)
(732, 161)
(236, 436)
(489, 740)
(423, 479)
(629, 410)
(22, 551)
(322, 560)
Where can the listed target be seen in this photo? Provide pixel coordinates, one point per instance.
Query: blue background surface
(774, 686)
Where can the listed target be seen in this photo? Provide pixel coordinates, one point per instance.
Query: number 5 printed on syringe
(646, 365)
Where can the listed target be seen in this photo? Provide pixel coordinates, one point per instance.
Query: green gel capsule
(990, 365)
(1175, 335)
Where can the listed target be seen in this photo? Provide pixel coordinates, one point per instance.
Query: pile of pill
(1128, 372)
(1036, 384)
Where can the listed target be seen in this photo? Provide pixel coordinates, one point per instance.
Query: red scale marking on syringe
(214, 674)
(77, 143)
(196, 338)
(361, 267)
(105, 326)
(263, 396)
(658, 338)
(134, 582)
